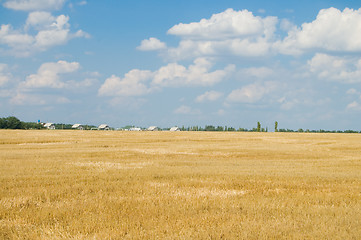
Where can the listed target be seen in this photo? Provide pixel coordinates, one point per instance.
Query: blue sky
(188, 63)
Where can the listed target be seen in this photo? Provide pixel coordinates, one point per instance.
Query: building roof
(174, 129)
(153, 128)
(103, 126)
(48, 124)
(76, 125)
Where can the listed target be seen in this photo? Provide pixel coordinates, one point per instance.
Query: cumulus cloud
(51, 31)
(17, 41)
(241, 33)
(238, 47)
(4, 74)
(230, 32)
(332, 30)
(151, 44)
(140, 82)
(228, 24)
(251, 93)
(48, 75)
(133, 84)
(34, 5)
(209, 96)
(342, 69)
(39, 20)
(197, 74)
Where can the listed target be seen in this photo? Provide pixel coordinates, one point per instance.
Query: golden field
(179, 185)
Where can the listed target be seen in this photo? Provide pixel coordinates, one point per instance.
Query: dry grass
(184, 185)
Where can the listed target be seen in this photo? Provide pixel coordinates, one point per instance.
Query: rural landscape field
(179, 185)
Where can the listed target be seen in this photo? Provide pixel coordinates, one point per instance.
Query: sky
(182, 62)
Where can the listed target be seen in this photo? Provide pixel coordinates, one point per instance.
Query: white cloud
(241, 33)
(197, 74)
(209, 96)
(17, 41)
(342, 69)
(151, 44)
(228, 24)
(4, 74)
(186, 110)
(27, 99)
(34, 5)
(228, 33)
(140, 82)
(86, 83)
(257, 72)
(332, 30)
(238, 47)
(39, 20)
(353, 91)
(289, 104)
(51, 31)
(133, 84)
(48, 75)
(251, 93)
(82, 3)
(287, 25)
(354, 106)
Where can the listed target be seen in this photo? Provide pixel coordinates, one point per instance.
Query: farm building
(135, 129)
(49, 126)
(103, 127)
(77, 126)
(174, 129)
(153, 128)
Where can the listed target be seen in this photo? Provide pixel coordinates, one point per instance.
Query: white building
(135, 129)
(103, 127)
(49, 126)
(77, 126)
(174, 129)
(153, 128)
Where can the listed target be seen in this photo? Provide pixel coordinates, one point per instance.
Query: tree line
(14, 123)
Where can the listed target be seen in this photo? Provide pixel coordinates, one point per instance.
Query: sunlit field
(179, 185)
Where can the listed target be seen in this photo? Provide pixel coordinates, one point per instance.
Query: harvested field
(179, 185)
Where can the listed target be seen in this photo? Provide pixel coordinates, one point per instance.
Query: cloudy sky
(182, 62)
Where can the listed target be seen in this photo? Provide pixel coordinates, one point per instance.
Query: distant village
(104, 127)
(12, 122)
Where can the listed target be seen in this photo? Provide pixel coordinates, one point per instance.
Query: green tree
(258, 126)
(209, 128)
(276, 126)
(12, 123)
(219, 129)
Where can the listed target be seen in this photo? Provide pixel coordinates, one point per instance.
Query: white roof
(173, 129)
(152, 128)
(135, 129)
(48, 124)
(76, 125)
(103, 126)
